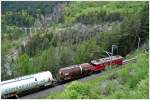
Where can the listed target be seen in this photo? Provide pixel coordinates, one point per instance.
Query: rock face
(9, 59)
(8, 70)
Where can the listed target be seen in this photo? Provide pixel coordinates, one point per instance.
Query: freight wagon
(15, 86)
(75, 71)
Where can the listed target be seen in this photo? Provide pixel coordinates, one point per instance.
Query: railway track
(59, 88)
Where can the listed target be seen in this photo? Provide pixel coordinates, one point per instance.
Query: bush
(76, 90)
(22, 66)
(142, 89)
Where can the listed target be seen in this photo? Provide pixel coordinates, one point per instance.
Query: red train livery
(100, 64)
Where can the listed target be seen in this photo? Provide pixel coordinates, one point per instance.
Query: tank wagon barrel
(15, 86)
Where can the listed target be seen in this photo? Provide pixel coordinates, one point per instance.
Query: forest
(68, 33)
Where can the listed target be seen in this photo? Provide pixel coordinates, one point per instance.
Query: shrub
(142, 89)
(76, 90)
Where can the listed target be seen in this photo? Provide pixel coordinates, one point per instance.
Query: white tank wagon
(15, 86)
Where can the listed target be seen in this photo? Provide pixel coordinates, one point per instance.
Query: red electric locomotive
(100, 64)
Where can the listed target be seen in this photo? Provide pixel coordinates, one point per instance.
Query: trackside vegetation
(130, 81)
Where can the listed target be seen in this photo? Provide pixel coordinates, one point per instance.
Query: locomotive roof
(107, 59)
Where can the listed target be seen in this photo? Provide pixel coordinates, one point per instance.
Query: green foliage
(22, 66)
(76, 90)
(144, 29)
(142, 89)
(87, 51)
(32, 7)
(21, 18)
(5, 46)
(97, 12)
(16, 13)
(135, 73)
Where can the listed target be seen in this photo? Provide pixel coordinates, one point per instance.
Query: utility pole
(26, 30)
(112, 49)
(139, 42)
(30, 33)
(138, 45)
(110, 56)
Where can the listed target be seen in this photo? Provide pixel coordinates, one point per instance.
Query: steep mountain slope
(82, 33)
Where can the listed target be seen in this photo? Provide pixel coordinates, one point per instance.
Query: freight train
(16, 86)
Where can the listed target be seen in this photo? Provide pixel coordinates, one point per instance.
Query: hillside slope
(130, 81)
(98, 12)
(82, 33)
